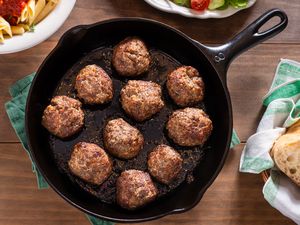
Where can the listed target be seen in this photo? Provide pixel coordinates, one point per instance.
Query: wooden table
(234, 198)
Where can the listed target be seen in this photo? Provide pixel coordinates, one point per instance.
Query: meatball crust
(141, 99)
(164, 163)
(135, 189)
(93, 85)
(131, 57)
(90, 163)
(63, 117)
(189, 127)
(122, 140)
(185, 86)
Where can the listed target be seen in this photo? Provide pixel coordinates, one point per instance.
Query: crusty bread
(286, 154)
(295, 128)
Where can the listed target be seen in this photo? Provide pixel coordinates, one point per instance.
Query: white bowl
(171, 7)
(42, 31)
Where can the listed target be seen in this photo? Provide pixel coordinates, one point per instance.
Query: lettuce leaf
(185, 3)
(214, 4)
(238, 3)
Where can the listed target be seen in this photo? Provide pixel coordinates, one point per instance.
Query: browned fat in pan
(97, 116)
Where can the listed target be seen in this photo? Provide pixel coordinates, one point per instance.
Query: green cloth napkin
(234, 139)
(15, 109)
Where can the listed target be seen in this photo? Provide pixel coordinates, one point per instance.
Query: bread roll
(286, 154)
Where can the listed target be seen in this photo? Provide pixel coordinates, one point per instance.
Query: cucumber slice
(214, 4)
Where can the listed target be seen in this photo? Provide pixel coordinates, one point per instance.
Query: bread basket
(265, 175)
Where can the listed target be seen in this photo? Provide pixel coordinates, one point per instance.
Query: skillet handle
(222, 56)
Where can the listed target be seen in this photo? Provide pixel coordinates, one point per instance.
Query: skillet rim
(200, 47)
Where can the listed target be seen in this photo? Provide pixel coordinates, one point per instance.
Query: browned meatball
(90, 162)
(122, 140)
(131, 57)
(189, 127)
(164, 163)
(141, 99)
(135, 189)
(63, 117)
(93, 85)
(185, 86)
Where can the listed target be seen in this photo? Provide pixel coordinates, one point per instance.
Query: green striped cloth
(15, 109)
(234, 139)
(283, 110)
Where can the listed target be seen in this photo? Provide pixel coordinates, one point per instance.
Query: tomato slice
(200, 5)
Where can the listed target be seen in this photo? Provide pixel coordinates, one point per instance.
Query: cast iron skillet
(212, 62)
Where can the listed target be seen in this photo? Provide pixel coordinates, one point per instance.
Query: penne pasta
(1, 37)
(39, 6)
(25, 26)
(31, 11)
(4, 26)
(24, 14)
(17, 30)
(47, 9)
(54, 1)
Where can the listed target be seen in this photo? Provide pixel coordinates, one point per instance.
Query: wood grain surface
(234, 198)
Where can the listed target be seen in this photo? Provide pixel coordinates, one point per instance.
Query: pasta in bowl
(26, 23)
